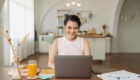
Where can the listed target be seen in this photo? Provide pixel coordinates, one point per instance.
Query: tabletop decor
(14, 50)
(104, 28)
(59, 30)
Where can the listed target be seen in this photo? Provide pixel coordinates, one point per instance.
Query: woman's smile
(71, 30)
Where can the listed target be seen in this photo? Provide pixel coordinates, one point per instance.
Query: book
(47, 72)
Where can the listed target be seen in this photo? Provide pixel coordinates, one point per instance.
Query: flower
(16, 59)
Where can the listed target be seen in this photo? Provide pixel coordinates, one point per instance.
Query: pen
(119, 77)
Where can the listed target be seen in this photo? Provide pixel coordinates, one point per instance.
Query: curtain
(5, 26)
(20, 22)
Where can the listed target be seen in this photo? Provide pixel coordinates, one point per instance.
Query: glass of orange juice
(32, 68)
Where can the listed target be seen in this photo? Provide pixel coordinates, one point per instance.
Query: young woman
(70, 44)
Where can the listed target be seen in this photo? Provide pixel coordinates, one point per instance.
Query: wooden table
(4, 76)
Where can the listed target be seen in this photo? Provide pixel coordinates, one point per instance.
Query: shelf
(63, 10)
(60, 16)
(85, 16)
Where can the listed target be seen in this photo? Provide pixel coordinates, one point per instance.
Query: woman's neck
(71, 39)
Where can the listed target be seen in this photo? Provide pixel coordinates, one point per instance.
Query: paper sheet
(119, 75)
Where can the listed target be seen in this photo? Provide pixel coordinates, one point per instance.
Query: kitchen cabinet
(108, 44)
(97, 46)
(45, 42)
(43, 45)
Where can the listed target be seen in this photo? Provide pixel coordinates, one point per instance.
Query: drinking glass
(32, 68)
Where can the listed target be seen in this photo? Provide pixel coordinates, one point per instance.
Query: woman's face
(71, 29)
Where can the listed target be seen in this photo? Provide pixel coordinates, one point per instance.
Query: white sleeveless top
(66, 47)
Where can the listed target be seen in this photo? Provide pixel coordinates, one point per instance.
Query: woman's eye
(69, 27)
(75, 28)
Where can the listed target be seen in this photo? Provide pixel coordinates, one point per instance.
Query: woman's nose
(72, 30)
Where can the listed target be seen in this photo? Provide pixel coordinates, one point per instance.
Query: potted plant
(80, 32)
(85, 32)
(60, 30)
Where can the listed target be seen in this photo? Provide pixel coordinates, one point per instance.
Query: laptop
(73, 66)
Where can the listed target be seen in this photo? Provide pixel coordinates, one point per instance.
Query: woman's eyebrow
(68, 26)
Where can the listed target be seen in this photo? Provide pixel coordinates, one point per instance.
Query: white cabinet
(108, 44)
(43, 45)
(97, 46)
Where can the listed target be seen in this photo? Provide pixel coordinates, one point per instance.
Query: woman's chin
(72, 37)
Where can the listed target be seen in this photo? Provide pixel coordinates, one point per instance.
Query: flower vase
(60, 31)
(16, 73)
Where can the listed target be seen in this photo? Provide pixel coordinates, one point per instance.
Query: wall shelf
(85, 16)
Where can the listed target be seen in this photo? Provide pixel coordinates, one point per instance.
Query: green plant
(85, 31)
(66, 15)
(80, 31)
(60, 27)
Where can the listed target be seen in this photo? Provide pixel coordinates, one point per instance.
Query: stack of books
(47, 72)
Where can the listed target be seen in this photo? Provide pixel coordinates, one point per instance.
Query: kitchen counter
(88, 36)
(99, 45)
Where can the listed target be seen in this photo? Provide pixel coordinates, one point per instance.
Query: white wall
(1, 43)
(129, 27)
(115, 39)
(1, 3)
(103, 11)
(0, 40)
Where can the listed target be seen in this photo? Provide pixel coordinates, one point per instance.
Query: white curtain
(21, 21)
(5, 26)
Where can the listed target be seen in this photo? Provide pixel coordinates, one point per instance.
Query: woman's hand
(51, 65)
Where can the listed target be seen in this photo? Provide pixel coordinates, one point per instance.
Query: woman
(70, 44)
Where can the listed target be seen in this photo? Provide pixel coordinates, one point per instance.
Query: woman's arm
(54, 52)
(86, 47)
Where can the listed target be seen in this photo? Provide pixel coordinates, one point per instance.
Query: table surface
(4, 76)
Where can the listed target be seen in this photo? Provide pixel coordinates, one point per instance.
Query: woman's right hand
(51, 65)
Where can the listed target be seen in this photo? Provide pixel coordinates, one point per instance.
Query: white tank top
(66, 47)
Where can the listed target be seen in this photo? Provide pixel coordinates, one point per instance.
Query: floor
(113, 62)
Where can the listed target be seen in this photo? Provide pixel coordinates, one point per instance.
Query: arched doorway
(128, 27)
(114, 46)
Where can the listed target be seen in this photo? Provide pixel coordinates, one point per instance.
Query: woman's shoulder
(61, 38)
(55, 41)
(81, 38)
(84, 39)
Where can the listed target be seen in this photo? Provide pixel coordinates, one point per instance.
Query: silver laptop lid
(73, 66)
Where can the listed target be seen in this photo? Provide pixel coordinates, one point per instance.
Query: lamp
(68, 4)
(79, 4)
(73, 3)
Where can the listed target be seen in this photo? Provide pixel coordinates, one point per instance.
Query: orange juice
(32, 70)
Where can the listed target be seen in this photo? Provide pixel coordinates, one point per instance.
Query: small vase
(16, 67)
(60, 31)
(15, 72)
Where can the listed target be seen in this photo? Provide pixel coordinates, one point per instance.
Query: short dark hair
(72, 18)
